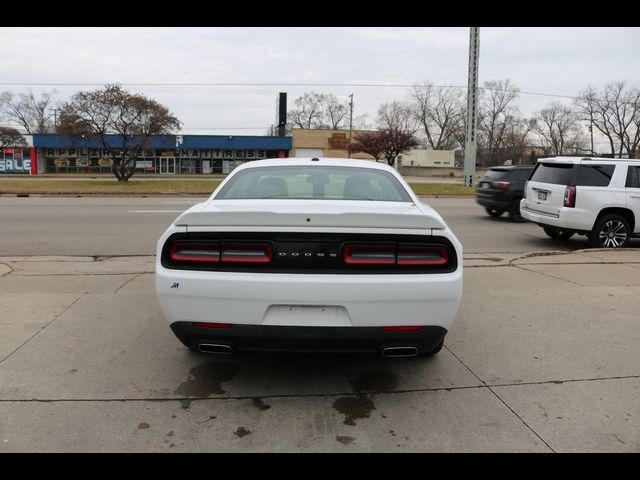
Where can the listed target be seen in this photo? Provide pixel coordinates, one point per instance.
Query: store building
(164, 154)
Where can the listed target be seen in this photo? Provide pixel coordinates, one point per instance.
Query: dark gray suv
(501, 190)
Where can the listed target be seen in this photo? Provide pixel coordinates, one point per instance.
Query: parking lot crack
(128, 281)
(44, 327)
(546, 275)
(488, 387)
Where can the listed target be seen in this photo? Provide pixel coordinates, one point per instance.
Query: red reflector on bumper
(212, 325)
(403, 328)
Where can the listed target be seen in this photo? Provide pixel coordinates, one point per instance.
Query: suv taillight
(570, 196)
(524, 194)
(501, 185)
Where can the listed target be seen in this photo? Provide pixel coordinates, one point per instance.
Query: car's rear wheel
(494, 212)
(610, 231)
(558, 233)
(514, 211)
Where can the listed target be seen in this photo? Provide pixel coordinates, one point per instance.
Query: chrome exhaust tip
(400, 352)
(215, 348)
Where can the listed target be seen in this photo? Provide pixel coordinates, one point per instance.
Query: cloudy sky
(554, 60)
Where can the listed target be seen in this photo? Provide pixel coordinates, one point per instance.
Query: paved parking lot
(543, 357)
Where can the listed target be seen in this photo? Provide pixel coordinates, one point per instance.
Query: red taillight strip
(403, 328)
(417, 255)
(247, 252)
(363, 254)
(403, 255)
(195, 252)
(212, 325)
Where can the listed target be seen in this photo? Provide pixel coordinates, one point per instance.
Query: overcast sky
(553, 60)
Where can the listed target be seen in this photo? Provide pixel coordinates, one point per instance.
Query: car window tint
(326, 183)
(595, 175)
(555, 173)
(495, 174)
(633, 177)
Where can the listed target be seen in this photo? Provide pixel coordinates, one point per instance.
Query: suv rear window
(555, 173)
(595, 175)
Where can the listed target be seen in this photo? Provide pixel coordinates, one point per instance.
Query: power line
(264, 84)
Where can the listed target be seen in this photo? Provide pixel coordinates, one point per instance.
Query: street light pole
(350, 121)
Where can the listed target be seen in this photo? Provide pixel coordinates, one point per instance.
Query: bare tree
(10, 137)
(307, 111)
(397, 117)
(334, 111)
(317, 110)
(558, 129)
(495, 115)
(615, 113)
(31, 113)
(397, 126)
(439, 112)
(133, 118)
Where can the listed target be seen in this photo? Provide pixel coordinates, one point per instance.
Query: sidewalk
(544, 356)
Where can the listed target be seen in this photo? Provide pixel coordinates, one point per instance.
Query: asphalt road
(104, 226)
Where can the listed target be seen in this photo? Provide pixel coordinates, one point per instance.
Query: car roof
(578, 160)
(512, 167)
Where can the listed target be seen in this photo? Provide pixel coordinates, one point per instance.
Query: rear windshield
(555, 173)
(326, 183)
(495, 174)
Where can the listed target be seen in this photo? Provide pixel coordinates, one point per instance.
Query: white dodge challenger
(314, 254)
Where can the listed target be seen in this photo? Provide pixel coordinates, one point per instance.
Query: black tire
(494, 212)
(514, 211)
(434, 351)
(610, 231)
(558, 233)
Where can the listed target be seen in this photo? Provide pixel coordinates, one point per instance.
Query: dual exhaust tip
(222, 349)
(215, 348)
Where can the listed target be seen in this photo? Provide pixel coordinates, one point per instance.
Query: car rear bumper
(566, 218)
(320, 300)
(241, 338)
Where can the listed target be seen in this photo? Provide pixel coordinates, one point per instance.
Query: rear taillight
(422, 255)
(195, 252)
(501, 185)
(225, 252)
(403, 255)
(403, 328)
(364, 254)
(570, 196)
(212, 325)
(524, 194)
(246, 252)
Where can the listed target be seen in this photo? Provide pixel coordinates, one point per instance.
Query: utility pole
(350, 121)
(470, 146)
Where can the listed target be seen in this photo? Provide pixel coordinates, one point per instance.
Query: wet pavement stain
(143, 425)
(185, 404)
(241, 432)
(354, 408)
(170, 434)
(260, 405)
(345, 440)
(374, 381)
(207, 379)
(366, 385)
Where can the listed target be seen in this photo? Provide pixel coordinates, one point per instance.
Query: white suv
(597, 197)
